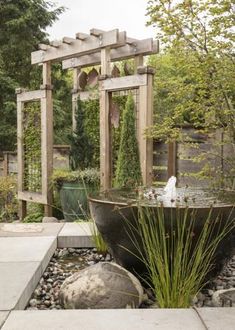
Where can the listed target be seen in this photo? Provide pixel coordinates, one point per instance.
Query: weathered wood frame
(98, 47)
(143, 81)
(45, 197)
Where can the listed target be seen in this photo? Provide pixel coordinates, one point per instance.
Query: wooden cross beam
(82, 36)
(68, 40)
(55, 43)
(43, 47)
(98, 33)
(76, 47)
(142, 47)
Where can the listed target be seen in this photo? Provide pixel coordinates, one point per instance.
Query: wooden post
(5, 163)
(105, 141)
(22, 211)
(74, 96)
(105, 62)
(139, 61)
(172, 159)
(105, 131)
(146, 120)
(47, 138)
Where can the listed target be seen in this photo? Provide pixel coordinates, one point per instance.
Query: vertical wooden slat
(20, 157)
(22, 212)
(47, 138)
(146, 120)
(172, 159)
(105, 131)
(5, 164)
(139, 61)
(105, 141)
(74, 96)
(20, 146)
(105, 62)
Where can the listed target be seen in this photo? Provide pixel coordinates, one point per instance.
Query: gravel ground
(226, 280)
(67, 261)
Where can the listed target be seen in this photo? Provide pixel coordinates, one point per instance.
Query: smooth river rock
(223, 298)
(49, 220)
(103, 285)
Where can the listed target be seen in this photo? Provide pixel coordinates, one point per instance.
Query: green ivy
(32, 146)
(92, 128)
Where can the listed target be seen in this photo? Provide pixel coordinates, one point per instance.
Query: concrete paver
(76, 235)
(22, 249)
(218, 318)
(3, 316)
(30, 229)
(22, 263)
(128, 319)
(17, 282)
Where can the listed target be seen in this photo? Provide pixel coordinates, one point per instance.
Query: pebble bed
(67, 261)
(226, 280)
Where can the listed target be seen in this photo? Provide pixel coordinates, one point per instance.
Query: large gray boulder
(103, 285)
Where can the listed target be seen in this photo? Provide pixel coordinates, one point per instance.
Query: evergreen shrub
(128, 172)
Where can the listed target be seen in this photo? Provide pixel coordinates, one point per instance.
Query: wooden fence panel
(8, 165)
(197, 152)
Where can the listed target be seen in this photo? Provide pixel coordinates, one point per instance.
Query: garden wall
(8, 163)
(199, 160)
(196, 161)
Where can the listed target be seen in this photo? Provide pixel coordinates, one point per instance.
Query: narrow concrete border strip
(49, 254)
(3, 318)
(29, 289)
(108, 319)
(218, 318)
(198, 314)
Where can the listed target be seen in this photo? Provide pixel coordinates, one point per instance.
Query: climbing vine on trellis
(32, 146)
(91, 111)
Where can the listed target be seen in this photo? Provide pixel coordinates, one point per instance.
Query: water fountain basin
(116, 214)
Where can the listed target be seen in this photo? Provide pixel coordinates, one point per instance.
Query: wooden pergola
(97, 48)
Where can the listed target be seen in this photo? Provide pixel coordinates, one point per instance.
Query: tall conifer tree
(128, 173)
(81, 148)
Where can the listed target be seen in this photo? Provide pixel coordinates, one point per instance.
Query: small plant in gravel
(97, 239)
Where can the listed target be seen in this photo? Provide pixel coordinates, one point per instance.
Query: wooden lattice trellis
(97, 48)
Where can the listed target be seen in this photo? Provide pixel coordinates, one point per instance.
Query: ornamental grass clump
(178, 256)
(97, 239)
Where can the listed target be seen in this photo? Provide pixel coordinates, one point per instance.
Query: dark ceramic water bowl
(116, 214)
